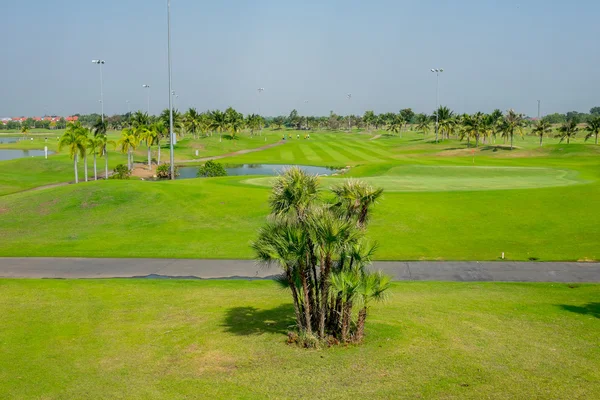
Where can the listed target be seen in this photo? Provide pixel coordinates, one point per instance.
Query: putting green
(417, 178)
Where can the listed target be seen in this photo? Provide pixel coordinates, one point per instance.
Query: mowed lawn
(136, 339)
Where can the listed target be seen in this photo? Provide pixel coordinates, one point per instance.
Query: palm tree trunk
(360, 324)
(295, 297)
(511, 140)
(75, 167)
(596, 138)
(541, 139)
(325, 270)
(568, 138)
(158, 159)
(95, 169)
(85, 171)
(307, 302)
(346, 309)
(149, 160)
(105, 163)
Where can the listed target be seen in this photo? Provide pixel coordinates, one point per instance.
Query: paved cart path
(245, 269)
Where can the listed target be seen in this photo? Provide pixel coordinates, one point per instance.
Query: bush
(164, 171)
(121, 172)
(211, 169)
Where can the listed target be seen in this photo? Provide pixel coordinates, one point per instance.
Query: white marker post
(196, 153)
(46, 152)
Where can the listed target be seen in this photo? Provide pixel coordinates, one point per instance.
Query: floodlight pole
(259, 90)
(349, 95)
(171, 141)
(437, 101)
(539, 103)
(101, 63)
(147, 87)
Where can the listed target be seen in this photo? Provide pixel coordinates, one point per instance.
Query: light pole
(349, 96)
(147, 87)
(260, 90)
(174, 101)
(172, 136)
(305, 106)
(128, 108)
(539, 104)
(101, 63)
(437, 101)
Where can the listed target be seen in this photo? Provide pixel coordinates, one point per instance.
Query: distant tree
(369, 119)
(121, 172)
(444, 116)
(278, 122)
(567, 130)
(593, 127)
(513, 123)
(128, 142)
(423, 123)
(407, 115)
(218, 123)
(192, 121)
(235, 121)
(396, 124)
(542, 128)
(574, 116)
(595, 110)
(25, 130)
(556, 118)
(293, 120)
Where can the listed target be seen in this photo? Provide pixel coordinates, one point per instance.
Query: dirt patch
(46, 207)
(3, 210)
(142, 171)
(375, 137)
(213, 361)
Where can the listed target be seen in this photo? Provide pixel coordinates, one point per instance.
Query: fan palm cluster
(323, 252)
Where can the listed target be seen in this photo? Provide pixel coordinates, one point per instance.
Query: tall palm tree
(99, 128)
(105, 142)
(218, 122)
(395, 124)
(443, 114)
(128, 142)
(161, 131)
(472, 126)
(423, 122)
(150, 136)
(191, 121)
(567, 131)
(140, 118)
(593, 128)
(513, 123)
(541, 128)
(72, 139)
(84, 133)
(95, 147)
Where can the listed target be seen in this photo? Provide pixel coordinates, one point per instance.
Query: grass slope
(135, 339)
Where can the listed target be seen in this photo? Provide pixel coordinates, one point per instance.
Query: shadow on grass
(592, 309)
(245, 321)
(496, 147)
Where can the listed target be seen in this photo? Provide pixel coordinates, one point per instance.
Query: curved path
(459, 271)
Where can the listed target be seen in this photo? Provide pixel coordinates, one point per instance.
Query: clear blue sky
(496, 54)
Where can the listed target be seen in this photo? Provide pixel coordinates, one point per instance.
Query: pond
(8, 139)
(6, 154)
(256, 169)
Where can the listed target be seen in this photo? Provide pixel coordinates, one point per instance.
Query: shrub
(211, 169)
(121, 172)
(164, 171)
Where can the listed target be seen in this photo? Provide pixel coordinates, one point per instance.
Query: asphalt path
(458, 271)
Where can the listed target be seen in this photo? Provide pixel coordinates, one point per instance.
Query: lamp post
(147, 87)
(349, 96)
(437, 101)
(101, 63)
(259, 90)
(174, 101)
(171, 135)
(306, 106)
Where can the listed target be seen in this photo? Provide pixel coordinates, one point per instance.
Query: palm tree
(472, 126)
(345, 285)
(72, 139)
(395, 125)
(567, 130)
(99, 128)
(294, 191)
(161, 132)
(140, 119)
(218, 122)
(235, 121)
(254, 122)
(512, 122)
(191, 121)
(278, 122)
(373, 287)
(593, 128)
(354, 199)
(443, 114)
(541, 128)
(25, 130)
(423, 123)
(105, 142)
(95, 146)
(128, 143)
(84, 133)
(150, 136)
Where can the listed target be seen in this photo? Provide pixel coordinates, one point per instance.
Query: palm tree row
(82, 141)
(323, 253)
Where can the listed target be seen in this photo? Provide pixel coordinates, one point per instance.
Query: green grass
(135, 339)
(530, 203)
